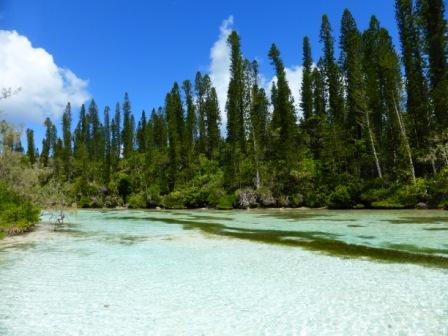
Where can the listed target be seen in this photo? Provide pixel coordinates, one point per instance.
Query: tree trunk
(372, 143)
(433, 164)
(257, 175)
(405, 140)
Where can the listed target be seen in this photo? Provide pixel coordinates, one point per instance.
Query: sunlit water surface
(277, 272)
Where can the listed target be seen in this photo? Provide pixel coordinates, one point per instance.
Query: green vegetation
(17, 214)
(368, 136)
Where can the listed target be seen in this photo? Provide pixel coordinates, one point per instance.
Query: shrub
(297, 200)
(17, 213)
(341, 198)
(174, 200)
(226, 202)
(397, 196)
(195, 197)
(84, 202)
(124, 187)
(215, 195)
(137, 201)
(316, 199)
(438, 189)
(374, 195)
(153, 197)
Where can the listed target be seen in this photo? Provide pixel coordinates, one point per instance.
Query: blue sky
(144, 46)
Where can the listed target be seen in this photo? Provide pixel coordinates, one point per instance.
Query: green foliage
(195, 197)
(84, 202)
(317, 198)
(431, 18)
(306, 103)
(416, 85)
(341, 198)
(226, 202)
(124, 187)
(174, 200)
(136, 201)
(397, 196)
(438, 190)
(31, 152)
(17, 214)
(297, 200)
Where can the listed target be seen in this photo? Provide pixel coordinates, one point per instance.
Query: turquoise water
(276, 272)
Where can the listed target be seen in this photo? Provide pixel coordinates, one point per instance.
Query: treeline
(370, 135)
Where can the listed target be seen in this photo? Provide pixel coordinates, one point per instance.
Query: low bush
(297, 200)
(397, 196)
(316, 198)
(84, 202)
(226, 202)
(17, 214)
(174, 200)
(214, 196)
(137, 201)
(341, 198)
(195, 197)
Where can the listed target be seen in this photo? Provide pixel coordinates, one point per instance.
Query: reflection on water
(239, 272)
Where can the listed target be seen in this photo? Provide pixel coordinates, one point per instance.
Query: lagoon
(204, 272)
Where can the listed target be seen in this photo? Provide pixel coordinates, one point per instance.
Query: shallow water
(273, 272)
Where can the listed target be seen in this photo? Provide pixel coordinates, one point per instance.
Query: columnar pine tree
(335, 114)
(213, 123)
(116, 138)
(316, 125)
(235, 99)
(107, 146)
(81, 134)
(306, 103)
(258, 122)
(357, 114)
(190, 122)
(201, 91)
(332, 74)
(175, 119)
(31, 147)
(417, 105)
(128, 128)
(283, 125)
(67, 140)
(283, 116)
(49, 142)
(383, 78)
(235, 95)
(95, 138)
(434, 27)
(142, 133)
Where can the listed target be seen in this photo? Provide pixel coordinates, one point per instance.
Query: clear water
(229, 273)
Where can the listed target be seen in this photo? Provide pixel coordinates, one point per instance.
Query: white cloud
(220, 65)
(294, 78)
(45, 87)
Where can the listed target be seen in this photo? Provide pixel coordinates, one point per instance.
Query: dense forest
(372, 131)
